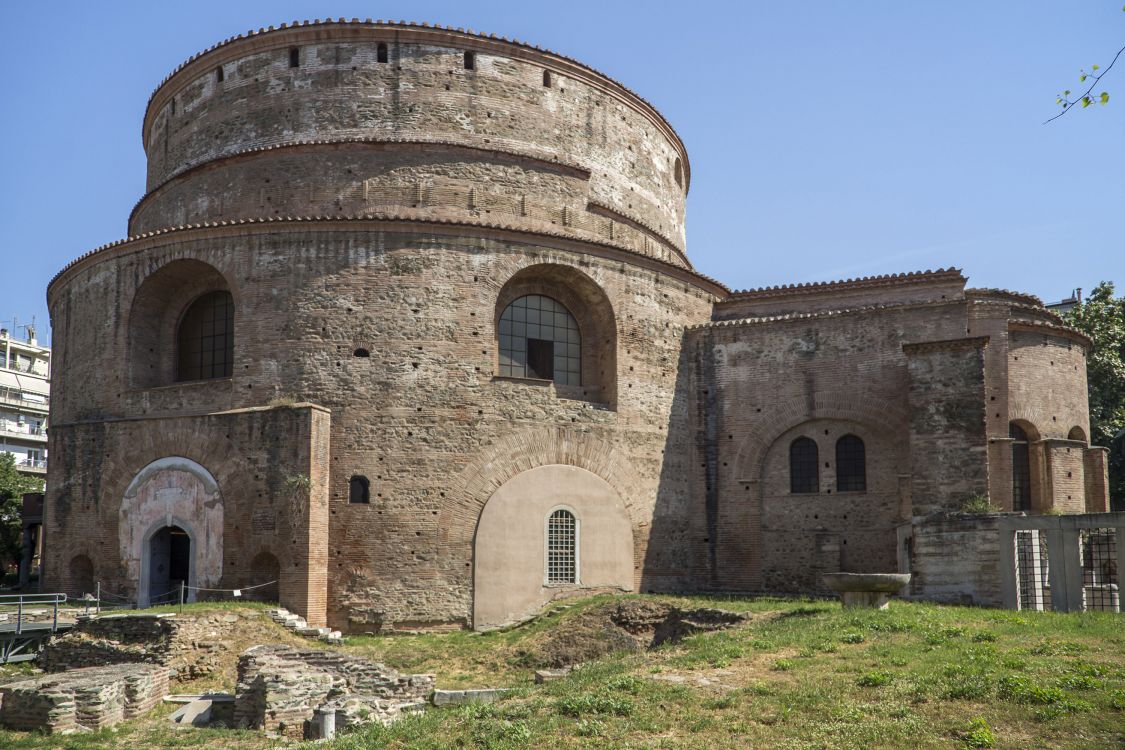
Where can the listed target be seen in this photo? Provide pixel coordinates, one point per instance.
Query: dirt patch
(630, 626)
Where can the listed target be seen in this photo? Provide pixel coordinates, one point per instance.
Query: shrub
(783, 665)
(985, 636)
(978, 734)
(852, 638)
(874, 679)
(978, 503)
(1022, 690)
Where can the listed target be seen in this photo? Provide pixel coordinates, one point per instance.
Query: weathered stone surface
(188, 645)
(457, 697)
(280, 689)
(90, 698)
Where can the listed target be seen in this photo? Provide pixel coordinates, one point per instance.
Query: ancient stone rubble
(90, 698)
(281, 689)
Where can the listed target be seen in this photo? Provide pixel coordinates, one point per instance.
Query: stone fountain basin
(883, 583)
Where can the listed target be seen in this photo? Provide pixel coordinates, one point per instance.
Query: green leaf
(1093, 67)
(1085, 102)
(1081, 78)
(1066, 93)
(1105, 97)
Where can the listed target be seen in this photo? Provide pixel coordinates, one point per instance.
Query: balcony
(32, 466)
(21, 432)
(15, 398)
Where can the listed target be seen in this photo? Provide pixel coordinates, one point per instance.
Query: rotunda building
(397, 325)
(404, 335)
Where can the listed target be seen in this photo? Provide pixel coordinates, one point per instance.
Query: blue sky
(827, 139)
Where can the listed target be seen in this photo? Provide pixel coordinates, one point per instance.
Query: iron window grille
(539, 338)
(562, 547)
(206, 338)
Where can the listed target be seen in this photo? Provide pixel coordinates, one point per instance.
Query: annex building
(405, 322)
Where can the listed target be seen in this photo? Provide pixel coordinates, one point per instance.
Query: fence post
(181, 597)
(19, 615)
(98, 601)
(55, 615)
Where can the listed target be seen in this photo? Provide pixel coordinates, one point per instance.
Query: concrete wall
(509, 560)
(955, 558)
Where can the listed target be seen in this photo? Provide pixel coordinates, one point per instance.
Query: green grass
(800, 675)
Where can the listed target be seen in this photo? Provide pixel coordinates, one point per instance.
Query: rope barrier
(231, 591)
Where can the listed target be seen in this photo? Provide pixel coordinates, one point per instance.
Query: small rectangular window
(541, 359)
(219, 74)
(470, 61)
(294, 57)
(381, 52)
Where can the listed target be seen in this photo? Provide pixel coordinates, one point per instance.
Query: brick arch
(593, 311)
(154, 316)
(780, 418)
(529, 449)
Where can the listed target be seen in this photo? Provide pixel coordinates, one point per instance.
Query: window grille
(1100, 577)
(804, 475)
(562, 536)
(851, 465)
(206, 338)
(539, 338)
(1021, 469)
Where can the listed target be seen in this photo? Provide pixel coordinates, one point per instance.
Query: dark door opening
(541, 359)
(169, 564)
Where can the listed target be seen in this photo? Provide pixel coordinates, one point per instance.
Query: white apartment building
(25, 375)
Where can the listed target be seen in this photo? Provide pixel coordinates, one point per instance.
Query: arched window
(804, 475)
(562, 547)
(205, 339)
(851, 465)
(547, 78)
(361, 352)
(1021, 468)
(381, 52)
(679, 172)
(1076, 433)
(359, 490)
(539, 338)
(470, 61)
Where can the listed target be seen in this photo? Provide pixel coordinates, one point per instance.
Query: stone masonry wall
(423, 93)
(254, 456)
(89, 699)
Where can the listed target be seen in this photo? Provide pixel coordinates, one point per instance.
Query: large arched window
(205, 338)
(804, 475)
(851, 465)
(1021, 468)
(562, 547)
(539, 338)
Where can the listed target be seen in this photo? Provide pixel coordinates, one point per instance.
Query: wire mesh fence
(1100, 581)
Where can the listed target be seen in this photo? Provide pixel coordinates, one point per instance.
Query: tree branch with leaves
(1067, 99)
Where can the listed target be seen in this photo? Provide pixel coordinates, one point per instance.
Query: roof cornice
(386, 222)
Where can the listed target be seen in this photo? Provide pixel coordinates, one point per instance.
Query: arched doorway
(544, 534)
(169, 565)
(171, 530)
